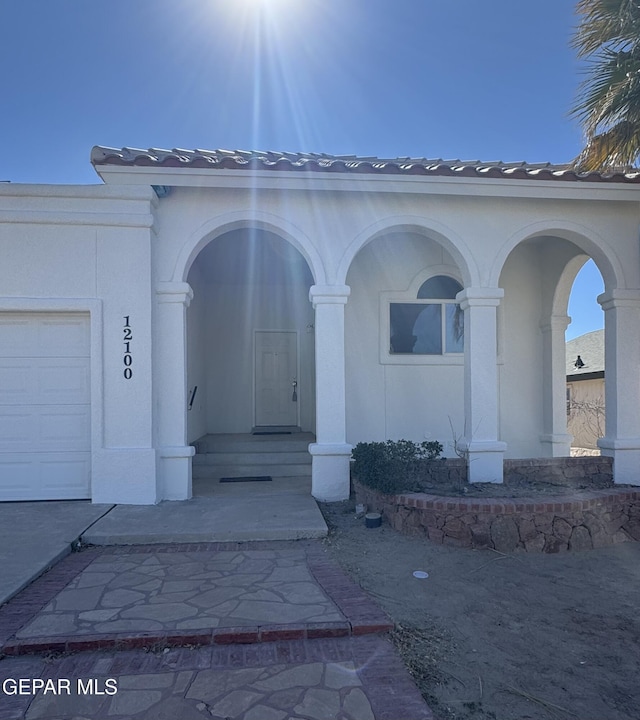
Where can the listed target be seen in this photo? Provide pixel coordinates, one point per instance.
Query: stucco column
(555, 440)
(485, 453)
(622, 383)
(330, 453)
(170, 391)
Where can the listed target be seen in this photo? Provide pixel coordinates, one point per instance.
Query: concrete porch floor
(282, 509)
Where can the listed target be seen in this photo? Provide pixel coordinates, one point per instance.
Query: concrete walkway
(280, 510)
(282, 634)
(35, 535)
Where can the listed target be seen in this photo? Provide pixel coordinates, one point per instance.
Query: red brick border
(384, 678)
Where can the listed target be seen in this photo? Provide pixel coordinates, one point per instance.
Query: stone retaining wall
(577, 521)
(572, 472)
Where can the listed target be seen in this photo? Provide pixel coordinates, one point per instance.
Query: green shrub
(392, 467)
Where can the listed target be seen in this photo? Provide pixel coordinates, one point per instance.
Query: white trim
(409, 297)
(365, 182)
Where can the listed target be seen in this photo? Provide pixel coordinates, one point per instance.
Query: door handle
(294, 395)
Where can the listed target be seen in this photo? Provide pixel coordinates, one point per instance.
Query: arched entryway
(250, 348)
(404, 340)
(537, 277)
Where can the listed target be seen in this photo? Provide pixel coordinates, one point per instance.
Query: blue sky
(491, 80)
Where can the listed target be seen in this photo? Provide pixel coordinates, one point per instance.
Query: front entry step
(248, 455)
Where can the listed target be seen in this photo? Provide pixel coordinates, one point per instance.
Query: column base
(330, 471)
(174, 473)
(558, 445)
(626, 459)
(485, 461)
(126, 476)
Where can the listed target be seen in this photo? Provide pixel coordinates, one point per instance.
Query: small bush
(392, 467)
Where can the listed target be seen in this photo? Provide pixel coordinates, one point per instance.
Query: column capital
(480, 297)
(174, 292)
(556, 322)
(619, 298)
(329, 294)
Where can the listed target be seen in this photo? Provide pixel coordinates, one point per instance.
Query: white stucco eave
(368, 183)
(122, 205)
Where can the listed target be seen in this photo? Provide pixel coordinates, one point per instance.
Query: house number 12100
(127, 358)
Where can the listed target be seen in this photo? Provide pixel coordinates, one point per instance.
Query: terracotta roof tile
(315, 162)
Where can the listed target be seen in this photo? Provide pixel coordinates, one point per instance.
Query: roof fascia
(595, 375)
(341, 182)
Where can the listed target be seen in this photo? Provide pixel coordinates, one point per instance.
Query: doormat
(272, 432)
(254, 478)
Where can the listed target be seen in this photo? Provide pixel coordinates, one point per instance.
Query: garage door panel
(45, 476)
(63, 337)
(16, 382)
(68, 475)
(65, 429)
(45, 429)
(64, 381)
(45, 410)
(16, 429)
(18, 336)
(15, 476)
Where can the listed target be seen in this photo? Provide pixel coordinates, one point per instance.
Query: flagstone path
(185, 591)
(275, 631)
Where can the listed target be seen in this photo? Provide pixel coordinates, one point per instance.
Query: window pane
(402, 317)
(415, 329)
(428, 331)
(439, 287)
(454, 328)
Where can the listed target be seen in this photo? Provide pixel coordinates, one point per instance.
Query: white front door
(276, 370)
(45, 411)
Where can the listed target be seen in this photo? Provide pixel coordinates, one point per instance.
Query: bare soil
(489, 636)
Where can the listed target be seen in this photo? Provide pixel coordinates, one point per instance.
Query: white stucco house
(402, 297)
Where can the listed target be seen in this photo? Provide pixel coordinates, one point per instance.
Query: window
(433, 324)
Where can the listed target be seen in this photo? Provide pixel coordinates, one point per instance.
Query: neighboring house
(403, 297)
(585, 389)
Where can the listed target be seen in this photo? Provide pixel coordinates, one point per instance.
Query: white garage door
(45, 419)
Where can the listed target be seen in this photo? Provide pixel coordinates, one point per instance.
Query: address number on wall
(127, 358)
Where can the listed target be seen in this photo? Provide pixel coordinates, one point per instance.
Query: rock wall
(577, 521)
(572, 472)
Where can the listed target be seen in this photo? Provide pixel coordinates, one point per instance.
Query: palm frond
(606, 22)
(608, 101)
(615, 149)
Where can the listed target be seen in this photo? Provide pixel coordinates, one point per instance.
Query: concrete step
(297, 442)
(253, 458)
(277, 470)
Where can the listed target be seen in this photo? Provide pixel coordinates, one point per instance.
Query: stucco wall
(234, 313)
(520, 362)
(197, 374)
(586, 419)
(89, 249)
(107, 250)
(387, 399)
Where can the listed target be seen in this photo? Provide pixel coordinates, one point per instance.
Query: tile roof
(590, 347)
(314, 162)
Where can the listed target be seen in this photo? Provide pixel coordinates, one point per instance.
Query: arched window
(434, 325)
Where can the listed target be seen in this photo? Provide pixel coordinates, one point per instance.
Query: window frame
(409, 297)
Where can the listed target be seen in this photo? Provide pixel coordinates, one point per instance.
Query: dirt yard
(489, 636)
